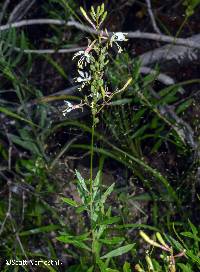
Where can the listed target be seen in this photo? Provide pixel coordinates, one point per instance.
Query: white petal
(81, 73)
(79, 79)
(78, 54)
(69, 104)
(119, 36)
(89, 78)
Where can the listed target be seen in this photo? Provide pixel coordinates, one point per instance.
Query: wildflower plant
(91, 67)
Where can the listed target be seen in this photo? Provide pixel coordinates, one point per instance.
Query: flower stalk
(91, 66)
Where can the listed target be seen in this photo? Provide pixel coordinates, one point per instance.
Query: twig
(8, 213)
(177, 53)
(10, 147)
(153, 21)
(5, 5)
(49, 51)
(163, 78)
(20, 10)
(46, 51)
(143, 35)
(32, 22)
(159, 76)
(29, 262)
(23, 206)
(132, 35)
(163, 38)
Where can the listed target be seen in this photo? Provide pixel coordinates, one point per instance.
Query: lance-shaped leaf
(119, 251)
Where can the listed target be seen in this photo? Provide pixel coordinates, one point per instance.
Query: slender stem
(91, 180)
(92, 152)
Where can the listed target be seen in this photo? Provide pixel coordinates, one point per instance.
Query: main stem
(91, 180)
(94, 110)
(92, 152)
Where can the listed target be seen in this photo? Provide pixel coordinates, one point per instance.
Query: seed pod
(152, 242)
(160, 239)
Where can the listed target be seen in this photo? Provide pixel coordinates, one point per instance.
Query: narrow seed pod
(160, 239)
(138, 268)
(150, 241)
(149, 263)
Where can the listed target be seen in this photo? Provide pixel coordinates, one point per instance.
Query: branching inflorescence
(92, 63)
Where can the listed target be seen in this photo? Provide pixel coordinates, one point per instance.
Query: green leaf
(175, 243)
(118, 252)
(126, 267)
(113, 241)
(194, 258)
(29, 145)
(184, 267)
(91, 269)
(107, 193)
(70, 201)
(101, 264)
(193, 228)
(81, 181)
(149, 79)
(82, 237)
(140, 131)
(138, 115)
(191, 5)
(183, 106)
(96, 183)
(16, 116)
(43, 229)
(73, 240)
(110, 221)
(57, 67)
(50, 268)
(136, 226)
(190, 235)
(81, 208)
(111, 270)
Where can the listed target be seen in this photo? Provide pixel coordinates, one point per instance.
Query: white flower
(118, 37)
(84, 59)
(84, 76)
(69, 108)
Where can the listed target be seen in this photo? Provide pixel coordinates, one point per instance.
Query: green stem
(92, 152)
(91, 180)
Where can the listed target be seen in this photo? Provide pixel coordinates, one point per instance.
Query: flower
(69, 108)
(118, 37)
(85, 55)
(85, 58)
(84, 76)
